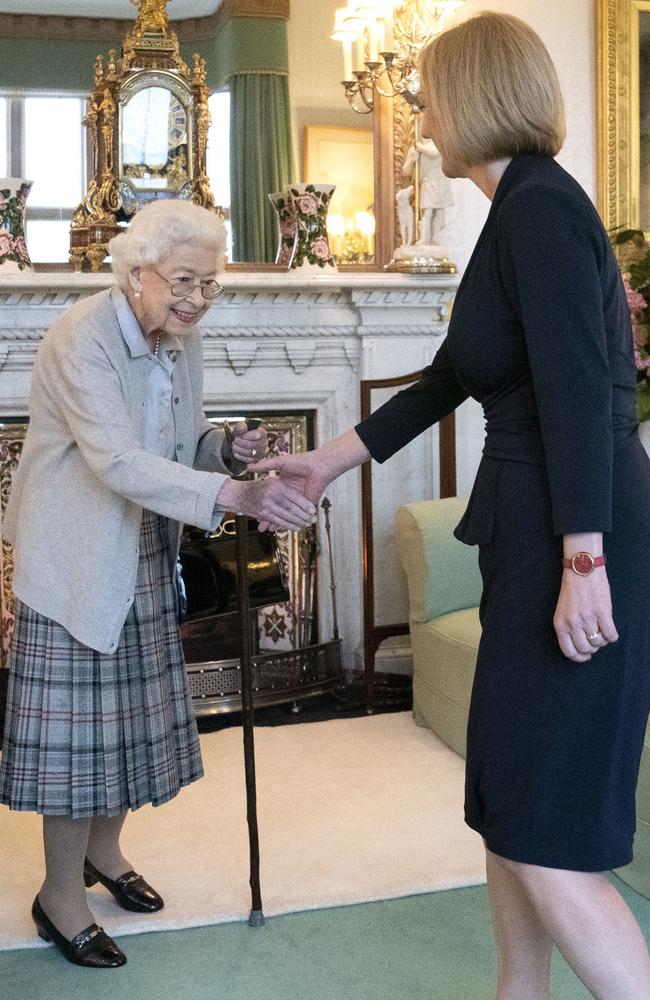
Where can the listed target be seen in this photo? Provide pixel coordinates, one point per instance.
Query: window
(42, 139)
(218, 156)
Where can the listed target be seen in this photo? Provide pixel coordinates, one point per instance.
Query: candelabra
(382, 41)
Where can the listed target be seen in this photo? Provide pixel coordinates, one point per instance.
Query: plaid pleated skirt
(96, 734)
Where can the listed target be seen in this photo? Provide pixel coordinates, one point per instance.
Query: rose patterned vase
(286, 213)
(13, 249)
(311, 251)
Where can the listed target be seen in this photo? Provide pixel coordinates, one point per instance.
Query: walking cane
(256, 917)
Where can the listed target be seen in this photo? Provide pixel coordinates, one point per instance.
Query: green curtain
(261, 160)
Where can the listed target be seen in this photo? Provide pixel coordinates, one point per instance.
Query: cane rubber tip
(256, 918)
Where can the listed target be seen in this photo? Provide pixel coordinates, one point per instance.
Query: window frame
(16, 157)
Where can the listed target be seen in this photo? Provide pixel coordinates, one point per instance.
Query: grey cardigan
(77, 497)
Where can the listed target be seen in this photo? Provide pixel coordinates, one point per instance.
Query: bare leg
(523, 946)
(63, 894)
(592, 926)
(104, 845)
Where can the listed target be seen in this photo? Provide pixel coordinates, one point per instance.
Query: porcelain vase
(311, 250)
(13, 249)
(286, 214)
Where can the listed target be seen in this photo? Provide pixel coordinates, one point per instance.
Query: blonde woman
(540, 335)
(118, 453)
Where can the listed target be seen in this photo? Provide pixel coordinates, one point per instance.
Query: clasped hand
(248, 446)
(584, 609)
(277, 502)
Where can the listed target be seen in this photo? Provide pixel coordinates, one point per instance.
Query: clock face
(583, 563)
(177, 124)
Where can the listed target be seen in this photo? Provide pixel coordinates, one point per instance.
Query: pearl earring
(138, 295)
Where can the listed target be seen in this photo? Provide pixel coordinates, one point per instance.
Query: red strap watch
(583, 563)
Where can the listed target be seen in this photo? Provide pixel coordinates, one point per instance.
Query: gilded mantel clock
(149, 119)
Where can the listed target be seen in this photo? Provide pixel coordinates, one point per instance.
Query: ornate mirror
(149, 119)
(624, 113)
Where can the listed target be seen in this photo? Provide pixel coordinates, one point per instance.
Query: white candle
(360, 50)
(373, 42)
(388, 32)
(381, 35)
(347, 58)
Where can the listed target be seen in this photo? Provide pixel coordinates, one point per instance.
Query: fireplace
(288, 663)
(286, 344)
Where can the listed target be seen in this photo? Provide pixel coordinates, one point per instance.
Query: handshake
(286, 500)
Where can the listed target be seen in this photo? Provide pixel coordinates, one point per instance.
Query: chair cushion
(444, 661)
(442, 573)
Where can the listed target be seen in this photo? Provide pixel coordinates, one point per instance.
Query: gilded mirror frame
(619, 102)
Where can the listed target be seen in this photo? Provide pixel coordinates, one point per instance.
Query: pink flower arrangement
(320, 248)
(637, 305)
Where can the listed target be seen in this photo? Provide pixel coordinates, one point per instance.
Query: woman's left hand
(584, 610)
(248, 446)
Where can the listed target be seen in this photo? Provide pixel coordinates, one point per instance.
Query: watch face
(583, 563)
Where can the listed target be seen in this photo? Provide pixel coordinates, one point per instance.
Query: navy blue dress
(540, 335)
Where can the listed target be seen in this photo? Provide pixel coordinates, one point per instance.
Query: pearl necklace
(157, 347)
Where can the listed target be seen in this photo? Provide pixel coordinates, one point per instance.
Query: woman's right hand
(275, 503)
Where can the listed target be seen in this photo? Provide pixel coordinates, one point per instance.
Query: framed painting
(344, 157)
(624, 113)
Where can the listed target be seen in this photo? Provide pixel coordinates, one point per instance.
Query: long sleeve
(550, 250)
(90, 397)
(412, 410)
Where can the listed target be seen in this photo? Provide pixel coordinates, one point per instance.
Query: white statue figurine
(405, 214)
(435, 189)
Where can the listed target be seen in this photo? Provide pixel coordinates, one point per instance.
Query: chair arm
(442, 573)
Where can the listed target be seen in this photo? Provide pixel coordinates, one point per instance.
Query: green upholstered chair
(444, 592)
(637, 874)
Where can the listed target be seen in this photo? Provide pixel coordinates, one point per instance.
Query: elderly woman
(540, 335)
(117, 456)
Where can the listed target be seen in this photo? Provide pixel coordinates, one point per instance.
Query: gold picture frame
(344, 157)
(624, 113)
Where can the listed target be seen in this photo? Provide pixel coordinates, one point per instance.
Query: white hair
(158, 228)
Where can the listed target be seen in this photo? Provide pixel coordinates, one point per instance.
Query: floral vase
(286, 213)
(13, 249)
(311, 251)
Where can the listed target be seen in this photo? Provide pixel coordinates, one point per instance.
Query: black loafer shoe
(92, 947)
(130, 890)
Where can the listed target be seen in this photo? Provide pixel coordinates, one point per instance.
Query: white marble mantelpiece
(277, 342)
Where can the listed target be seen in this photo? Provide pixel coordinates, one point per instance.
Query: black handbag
(207, 571)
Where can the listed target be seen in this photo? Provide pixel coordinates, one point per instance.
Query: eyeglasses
(182, 288)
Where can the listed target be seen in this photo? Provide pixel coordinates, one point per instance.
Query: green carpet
(433, 947)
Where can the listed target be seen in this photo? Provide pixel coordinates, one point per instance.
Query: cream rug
(350, 810)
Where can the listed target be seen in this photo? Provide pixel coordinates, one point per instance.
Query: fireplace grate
(277, 677)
